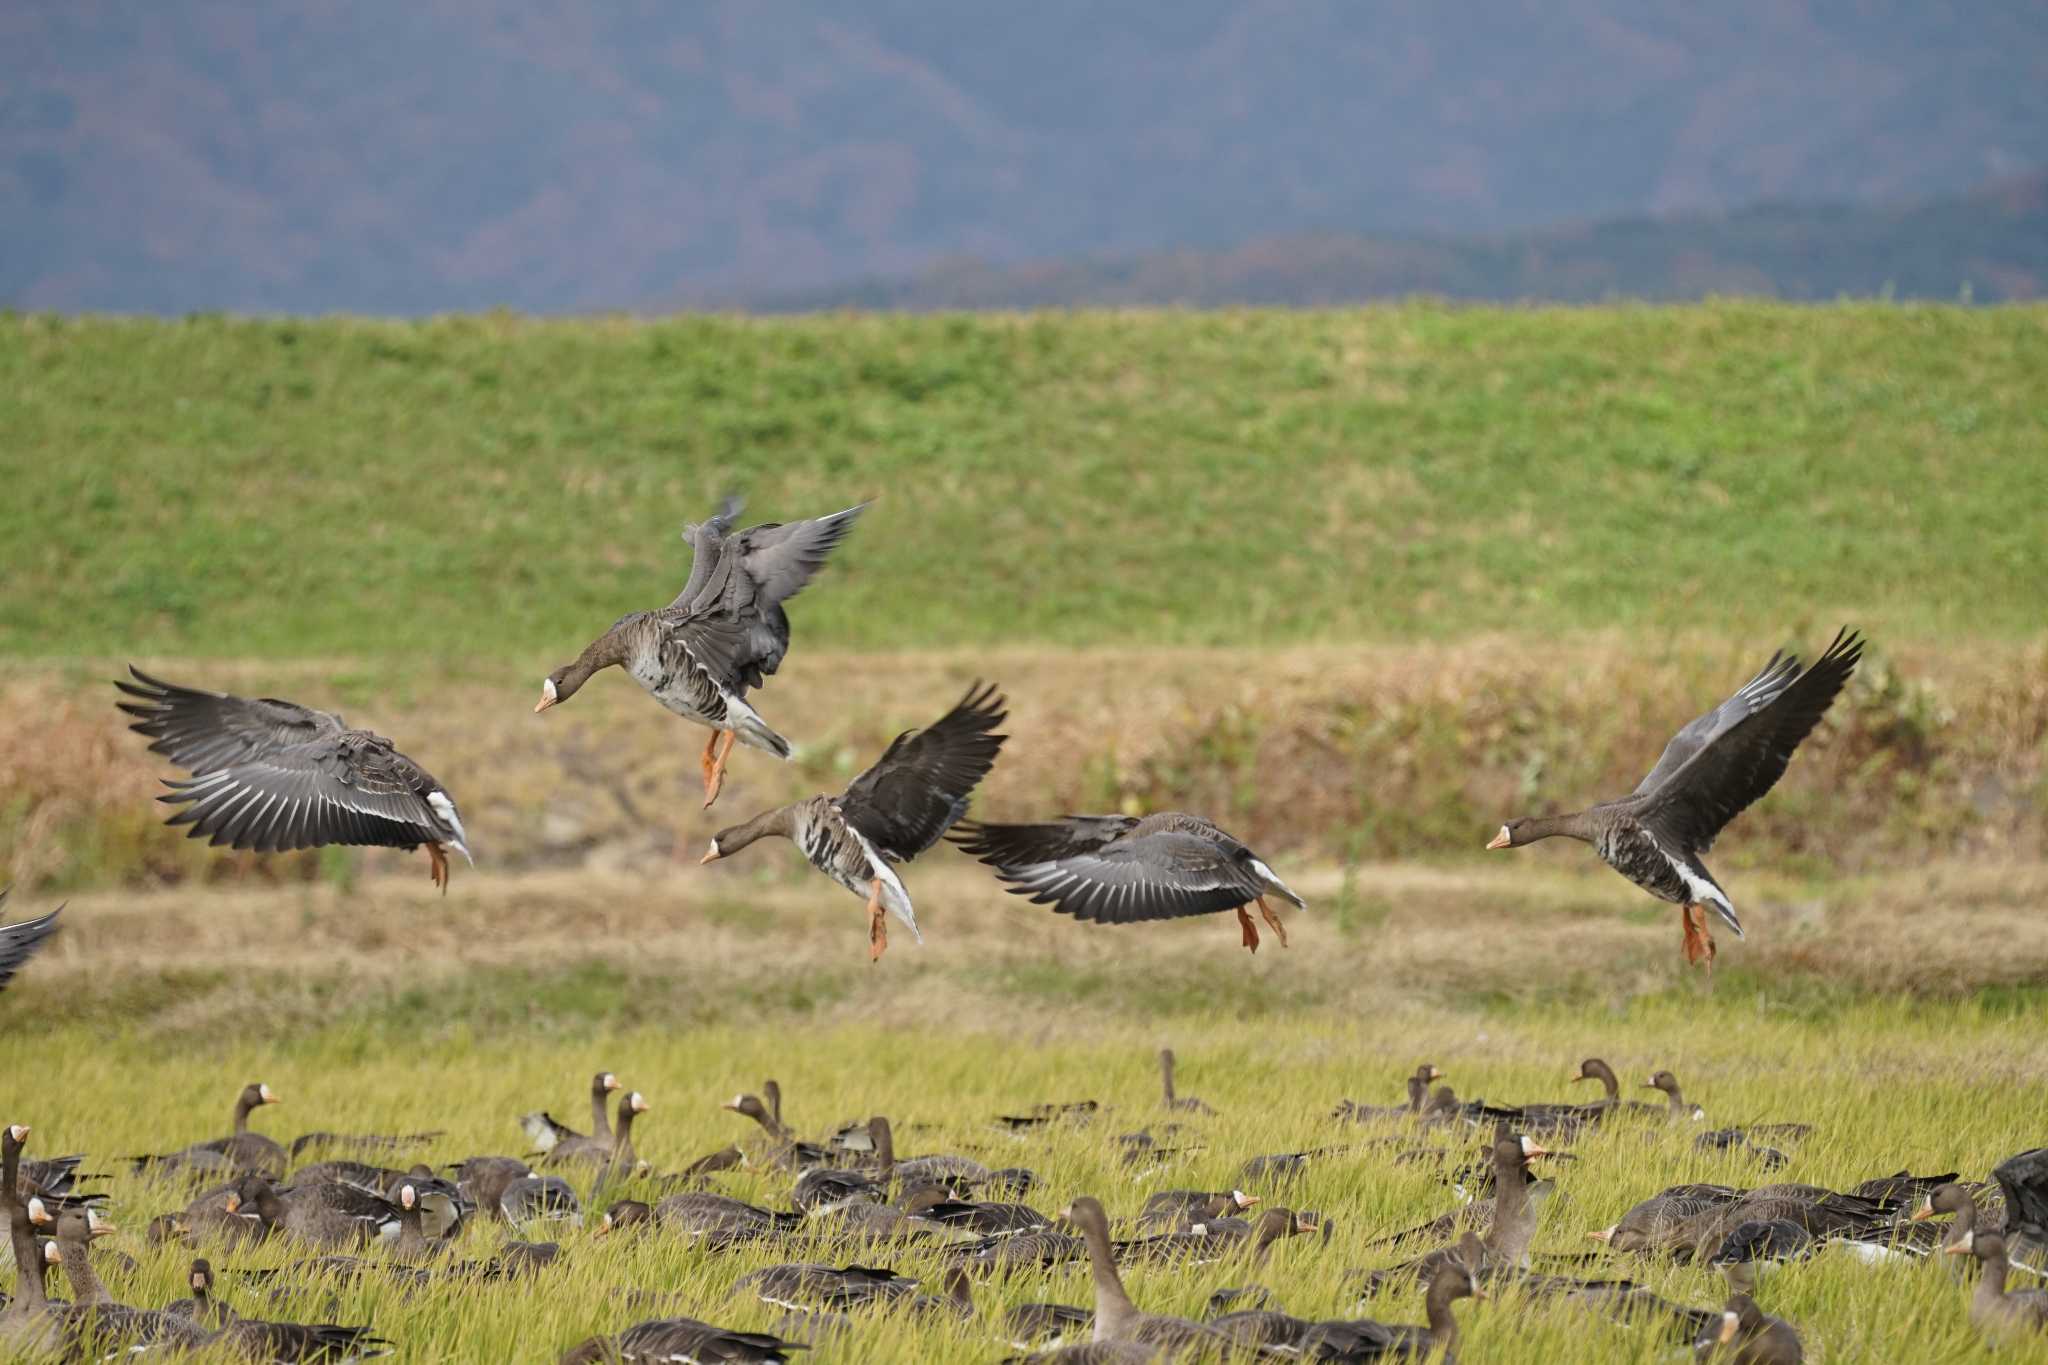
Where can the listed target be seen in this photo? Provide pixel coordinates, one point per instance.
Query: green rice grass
(1889, 1086)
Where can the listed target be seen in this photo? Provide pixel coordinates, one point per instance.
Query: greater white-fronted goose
(23, 1319)
(1267, 1332)
(202, 1307)
(1828, 1215)
(1095, 1353)
(1965, 1216)
(272, 775)
(889, 814)
(1755, 1244)
(1510, 1217)
(1450, 1279)
(1116, 1317)
(1048, 1113)
(809, 1285)
(20, 940)
(1173, 1210)
(696, 1173)
(1649, 1224)
(1281, 1168)
(827, 1187)
(721, 637)
(2023, 1180)
(55, 1180)
(718, 1220)
(307, 1144)
(483, 1180)
(1187, 1104)
(241, 1152)
(680, 1339)
(1676, 1108)
(1122, 869)
(259, 1340)
(1351, 1111)
(1046, 1324)
(95, 1323)
(573, 1147)
(1708, 774)
(624, 1160)
(1593, 1069)
(1999, 1314)
(785, 1149)
(1006, 1253)
(342, 1217)
(908, 1172)
(1746, 1335)
(982, 1218)
(547, 1133)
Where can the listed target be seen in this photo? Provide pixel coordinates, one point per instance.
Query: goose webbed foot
(1251, 931)
(1273, 921)
(716, 750)
(878, 923)
(1699, 941)
(437, 867)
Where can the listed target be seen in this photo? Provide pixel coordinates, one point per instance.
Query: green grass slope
(485, 489)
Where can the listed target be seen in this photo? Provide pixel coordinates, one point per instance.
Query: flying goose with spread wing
(889, 814)
(1710, 772)
(1120, 869)
(20, 940)
(272, 775)
(722, 636)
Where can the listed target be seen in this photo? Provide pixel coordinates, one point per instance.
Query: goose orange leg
(878, 922)
(1273, 921)
(714, 763)
(437, 868)
(1699, 941)
(1251, 931)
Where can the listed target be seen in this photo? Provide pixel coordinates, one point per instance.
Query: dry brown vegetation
(1325, 754)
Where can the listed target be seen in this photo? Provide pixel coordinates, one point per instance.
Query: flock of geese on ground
(272, 775)
(855, 1202)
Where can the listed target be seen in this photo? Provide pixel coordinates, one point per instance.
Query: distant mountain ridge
(1986, 247)
(406, 156)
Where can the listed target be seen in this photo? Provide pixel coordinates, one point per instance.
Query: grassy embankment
(1359, 581)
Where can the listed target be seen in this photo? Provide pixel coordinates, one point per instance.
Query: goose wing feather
(920, 786)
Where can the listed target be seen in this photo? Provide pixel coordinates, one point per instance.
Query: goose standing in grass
(23, 1318)
(242, 1152)
(1352, 1111)
(1116, 1317)
(95, 1322)
(1593, 1069)
(1122, 869)
(1185, 1103)
(1746, 1335)
(20, 940)
(1511, 1215)
(721, 637)
(889, 814)
(272, 775)
(546, 1132)
(1709, 773)
(1676, 1107)
(2000, 1314)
